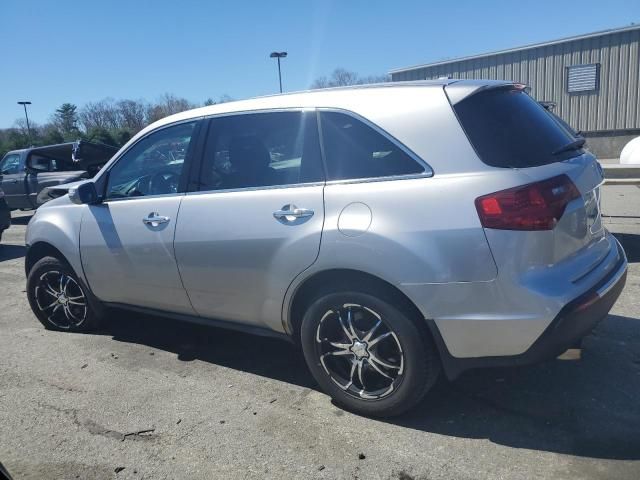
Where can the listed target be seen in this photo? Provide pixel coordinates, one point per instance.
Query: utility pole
(279, 55)
(24, 104)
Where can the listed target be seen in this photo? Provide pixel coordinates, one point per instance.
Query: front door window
(153, 166)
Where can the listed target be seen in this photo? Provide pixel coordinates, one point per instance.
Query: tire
(59, 299)
(410, 362)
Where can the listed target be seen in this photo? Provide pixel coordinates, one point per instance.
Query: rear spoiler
(458, 91)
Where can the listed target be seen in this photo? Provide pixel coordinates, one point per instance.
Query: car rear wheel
(367, 354)
(59, 299)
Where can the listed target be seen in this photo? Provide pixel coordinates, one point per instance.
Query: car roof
(335, 97)
(13, 152)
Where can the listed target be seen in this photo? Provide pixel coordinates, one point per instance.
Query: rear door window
(355, 150)
(261, 150)
(509, 129)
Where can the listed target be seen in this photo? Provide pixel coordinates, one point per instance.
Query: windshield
(509, 129)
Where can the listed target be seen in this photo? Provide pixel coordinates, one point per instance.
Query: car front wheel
(367, 354)
(58, 298)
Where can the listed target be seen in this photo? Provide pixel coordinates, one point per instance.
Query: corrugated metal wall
(615, 106)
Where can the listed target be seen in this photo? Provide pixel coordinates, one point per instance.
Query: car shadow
(11, 252)
(588, 407)
(264, 356)
(631, 244)
(21, 219)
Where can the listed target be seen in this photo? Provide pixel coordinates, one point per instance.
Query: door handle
(291, 212)
(154, 219)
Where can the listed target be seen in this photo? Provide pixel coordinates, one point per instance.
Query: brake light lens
(536, 206)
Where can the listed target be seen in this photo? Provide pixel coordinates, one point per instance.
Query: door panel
(12, 181)
(128, 261)
(126, 243)
(14, 187)
(237, 260)
(241, 244)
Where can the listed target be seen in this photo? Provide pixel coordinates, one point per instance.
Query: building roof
(517, 49)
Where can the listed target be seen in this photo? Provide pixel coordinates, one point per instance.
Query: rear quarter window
(509, 129)
(354, 150)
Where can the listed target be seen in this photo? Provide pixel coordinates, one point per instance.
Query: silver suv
(394, 231)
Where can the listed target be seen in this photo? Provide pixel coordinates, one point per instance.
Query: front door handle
(154, 219)
(291, 213)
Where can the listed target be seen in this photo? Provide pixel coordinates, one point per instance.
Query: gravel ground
(151, 398)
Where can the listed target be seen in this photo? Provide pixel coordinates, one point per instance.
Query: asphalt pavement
(158, 399)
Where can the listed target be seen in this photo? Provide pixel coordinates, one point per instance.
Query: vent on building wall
(583, 78)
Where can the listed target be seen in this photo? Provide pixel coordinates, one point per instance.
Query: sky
(59, 51)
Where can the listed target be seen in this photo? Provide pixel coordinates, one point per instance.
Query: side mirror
(85, 193)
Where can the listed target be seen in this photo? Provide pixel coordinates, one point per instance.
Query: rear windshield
(509, 129)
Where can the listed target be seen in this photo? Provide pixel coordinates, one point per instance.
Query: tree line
(109, 121)
(114, 122)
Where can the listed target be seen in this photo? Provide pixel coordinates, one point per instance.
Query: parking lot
(152, 398)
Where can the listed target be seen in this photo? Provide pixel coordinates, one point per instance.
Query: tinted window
(355, 150)
(510, 129)
(153, 166)
(262, 149)
(10, 164)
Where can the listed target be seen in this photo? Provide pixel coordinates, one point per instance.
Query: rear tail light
(536, 206)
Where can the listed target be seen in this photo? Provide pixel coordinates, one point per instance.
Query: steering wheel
(164, 181)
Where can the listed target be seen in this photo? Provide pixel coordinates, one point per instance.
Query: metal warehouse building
(593, 79)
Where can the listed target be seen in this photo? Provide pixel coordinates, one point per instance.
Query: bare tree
(167, 105)
(341, 77)
(103, 115)
(374, 79)
(133, 114)
(221, 99)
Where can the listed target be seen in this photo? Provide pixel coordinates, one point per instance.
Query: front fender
(58, 224)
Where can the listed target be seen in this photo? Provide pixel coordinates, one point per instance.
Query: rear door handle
(154, 219)
(291, 212)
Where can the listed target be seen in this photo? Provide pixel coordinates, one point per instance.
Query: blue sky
(81, 51)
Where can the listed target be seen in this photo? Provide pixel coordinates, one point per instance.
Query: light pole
(24, 104)
(279, 55)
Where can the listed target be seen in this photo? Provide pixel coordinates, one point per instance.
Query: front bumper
(575, 321)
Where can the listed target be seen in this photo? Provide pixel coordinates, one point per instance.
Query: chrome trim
(292, 211)
(253, 189)
(141, 197)
(261, 110)
(61, 299)
(428, 169)
(602, 291)
(357, 350)
(412, 176)
(155, 219)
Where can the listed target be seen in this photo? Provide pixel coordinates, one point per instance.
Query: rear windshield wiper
(577, 144)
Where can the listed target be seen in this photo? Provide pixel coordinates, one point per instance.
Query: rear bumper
(573, 322)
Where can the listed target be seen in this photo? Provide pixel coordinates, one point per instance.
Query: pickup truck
(25, 174)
